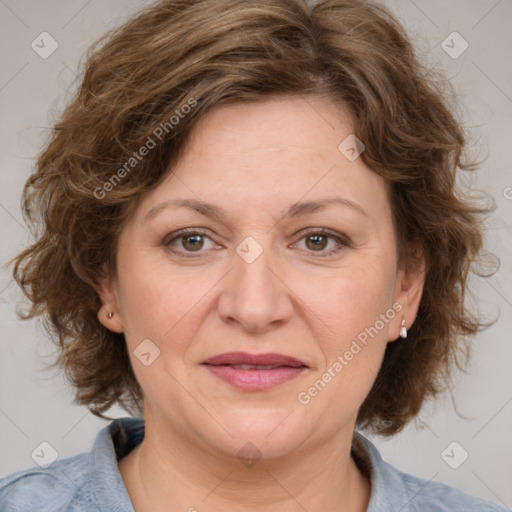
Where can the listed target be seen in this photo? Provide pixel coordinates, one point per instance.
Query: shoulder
(426, 495)
(395, 490)
(60, 487)
(83, 483)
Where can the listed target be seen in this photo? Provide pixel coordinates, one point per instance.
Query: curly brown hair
(208, 53)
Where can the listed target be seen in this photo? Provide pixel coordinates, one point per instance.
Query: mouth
(254, 372)
(254, 361)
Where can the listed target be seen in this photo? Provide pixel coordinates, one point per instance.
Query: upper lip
(232, 358)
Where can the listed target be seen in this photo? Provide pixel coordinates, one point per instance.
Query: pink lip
(231, 358)
(254, 380)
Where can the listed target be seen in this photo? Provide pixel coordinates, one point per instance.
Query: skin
(254, 160)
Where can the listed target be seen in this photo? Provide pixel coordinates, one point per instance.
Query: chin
(258, 446)
(261, 431)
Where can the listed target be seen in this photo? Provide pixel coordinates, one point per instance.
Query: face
(258, 272)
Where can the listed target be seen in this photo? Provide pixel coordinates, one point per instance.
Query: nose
(255, 295)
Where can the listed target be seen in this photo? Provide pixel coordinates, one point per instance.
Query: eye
(316, 241)
(190, 239)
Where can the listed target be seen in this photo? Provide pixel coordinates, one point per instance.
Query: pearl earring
(403, 329)
(110, 314)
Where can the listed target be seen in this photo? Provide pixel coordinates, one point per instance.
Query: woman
(251, 241)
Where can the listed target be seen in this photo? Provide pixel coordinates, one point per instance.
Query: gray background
(35, 405)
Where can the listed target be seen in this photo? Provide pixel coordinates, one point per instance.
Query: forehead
(258, 157)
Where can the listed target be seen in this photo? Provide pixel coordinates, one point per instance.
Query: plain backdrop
(36, 405)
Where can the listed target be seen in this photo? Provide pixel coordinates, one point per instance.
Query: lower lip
(255, 380)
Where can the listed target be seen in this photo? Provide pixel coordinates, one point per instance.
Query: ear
(107, 291)
(408, 291)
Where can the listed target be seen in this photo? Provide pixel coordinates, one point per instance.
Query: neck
(173, 472)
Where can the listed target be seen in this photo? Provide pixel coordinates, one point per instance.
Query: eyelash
(183, 233)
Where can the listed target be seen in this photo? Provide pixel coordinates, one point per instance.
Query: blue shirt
(91, 482)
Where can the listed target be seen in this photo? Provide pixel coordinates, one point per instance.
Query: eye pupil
(316, 238)
(198, 238)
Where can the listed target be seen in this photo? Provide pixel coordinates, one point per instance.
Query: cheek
(163, 307)
(353, 346)
(155, 301)
(357, 313)
(354, 301)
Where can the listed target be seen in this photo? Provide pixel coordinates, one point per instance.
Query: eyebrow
(210, 210)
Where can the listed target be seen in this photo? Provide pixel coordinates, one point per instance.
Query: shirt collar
(388, 491)
(112, 442)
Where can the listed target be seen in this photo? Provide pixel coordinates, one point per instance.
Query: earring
(403, 329)
(110, 314)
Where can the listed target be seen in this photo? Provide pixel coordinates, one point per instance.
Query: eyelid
(324, 231)
(342, 240)
(185, 231)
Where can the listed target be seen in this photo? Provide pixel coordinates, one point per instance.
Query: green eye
(194, 240)
(318, 240)
(191, 240)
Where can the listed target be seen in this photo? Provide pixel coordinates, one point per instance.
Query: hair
(141, 76)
